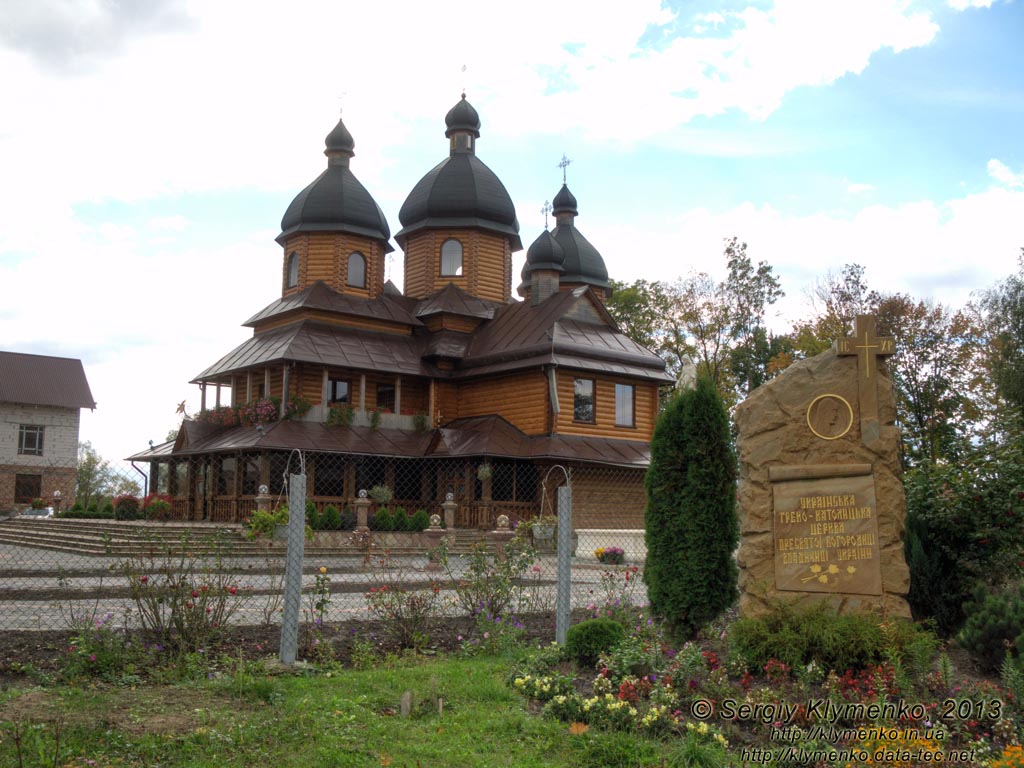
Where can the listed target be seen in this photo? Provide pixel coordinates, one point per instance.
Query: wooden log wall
(521, 398)
(339, 320)
(645, 407)
(486, 263)
(324, 256)
(608, 497)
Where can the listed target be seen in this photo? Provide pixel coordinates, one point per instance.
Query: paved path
(41, 589)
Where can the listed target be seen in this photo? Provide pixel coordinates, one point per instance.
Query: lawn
(250, 716)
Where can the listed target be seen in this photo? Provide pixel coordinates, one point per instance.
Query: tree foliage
(97, 481)
(691, 528)
(718, 325)
(1003, 320)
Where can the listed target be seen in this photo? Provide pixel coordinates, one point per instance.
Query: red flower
(194, 593)
(143, 579)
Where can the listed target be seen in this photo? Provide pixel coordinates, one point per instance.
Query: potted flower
(610, 555)
(542, 529)
(37, 504)
(484, 472)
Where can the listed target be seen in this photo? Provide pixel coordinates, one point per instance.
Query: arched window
(293, 270)
(356, 270)
(451, 258)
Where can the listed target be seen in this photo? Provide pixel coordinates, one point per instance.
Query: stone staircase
(119, 538)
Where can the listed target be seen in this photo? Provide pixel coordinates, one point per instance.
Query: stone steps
(90, 537)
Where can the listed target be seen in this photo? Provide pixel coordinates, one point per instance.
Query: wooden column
(285, 370)
(266, 382)
(248, 387)
(324, 394)
(362, 392)
(218, 394)
(202, 397)
(398, 394)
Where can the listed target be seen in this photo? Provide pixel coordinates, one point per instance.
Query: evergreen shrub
(690, 520)
(331, 519)
(419, 521)
(107, 513)
(313, 519)
(995, 623)
(798, 636)
(585, 641)
(348, 520)
(383, 521)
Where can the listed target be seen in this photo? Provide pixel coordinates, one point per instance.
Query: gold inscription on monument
(826, 535)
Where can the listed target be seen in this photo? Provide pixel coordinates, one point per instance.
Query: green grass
(350, 718)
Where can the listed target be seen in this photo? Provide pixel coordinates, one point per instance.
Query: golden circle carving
(829, 416)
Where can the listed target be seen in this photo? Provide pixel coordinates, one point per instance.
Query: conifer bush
(994, 624)
(690, 520)
(331, 519)
(585, 641)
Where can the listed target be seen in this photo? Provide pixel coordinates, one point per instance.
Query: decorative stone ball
(362, 493)
(503, 522)
(449, 497)
(435, 521)
(263, 490)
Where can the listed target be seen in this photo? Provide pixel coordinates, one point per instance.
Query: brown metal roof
(476, 436)
(309, 342)
(455, 301)
(523, 335)
(44, 380)
(320, 296)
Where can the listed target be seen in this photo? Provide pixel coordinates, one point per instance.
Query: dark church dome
(544, 253)
(336, 200)
(582, 263)
(460, 191)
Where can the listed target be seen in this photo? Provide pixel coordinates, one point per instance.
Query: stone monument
(820, 494)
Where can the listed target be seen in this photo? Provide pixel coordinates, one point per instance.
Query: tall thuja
(690, 521)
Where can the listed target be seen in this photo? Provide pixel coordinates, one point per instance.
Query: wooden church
(450, 387)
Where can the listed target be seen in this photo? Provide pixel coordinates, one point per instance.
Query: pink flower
(487, 635)
(92, 657)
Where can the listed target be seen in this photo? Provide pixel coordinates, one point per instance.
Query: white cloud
(859, 188)
(938, 250)
(962, 5)
(1004, 175)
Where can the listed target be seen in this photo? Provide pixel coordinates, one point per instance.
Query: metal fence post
(562, 599)
(293, 567)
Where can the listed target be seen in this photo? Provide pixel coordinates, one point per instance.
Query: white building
(40, 400)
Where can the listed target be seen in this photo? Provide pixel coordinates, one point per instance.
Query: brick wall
(57, 466)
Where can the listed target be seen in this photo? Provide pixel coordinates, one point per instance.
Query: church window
(339, 391)
(30, 440)
(583, 400)
(293, 270)
(624, 414)
(357, 270)
(451, 258)
(386, 397)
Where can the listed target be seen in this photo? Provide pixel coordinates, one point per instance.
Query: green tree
(691, 528)
(97, 481)
(934, 374)
(836, 300)
(1003, 320)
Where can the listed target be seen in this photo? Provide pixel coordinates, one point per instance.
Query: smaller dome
(544, 253)
(564, 202)
(339, 140)
(462, 117)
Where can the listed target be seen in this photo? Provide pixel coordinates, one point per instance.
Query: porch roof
(485, 436)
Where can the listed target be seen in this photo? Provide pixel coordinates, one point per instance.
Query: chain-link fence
(202, 539)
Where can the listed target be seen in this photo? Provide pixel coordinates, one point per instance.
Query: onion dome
(460, 191)
(583, 263)
(336, 201)
(564, 202)
(544, 253)
(462, 117)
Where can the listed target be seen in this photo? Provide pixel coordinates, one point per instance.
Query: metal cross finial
(546, 209)
(340, 97)
(563, 165)
(463, 81)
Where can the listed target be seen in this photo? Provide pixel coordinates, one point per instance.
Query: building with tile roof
(40, 401)
(420, 389)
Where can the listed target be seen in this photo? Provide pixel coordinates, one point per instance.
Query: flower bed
(610, 555)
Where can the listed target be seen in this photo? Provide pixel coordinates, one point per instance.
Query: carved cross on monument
(867, 346)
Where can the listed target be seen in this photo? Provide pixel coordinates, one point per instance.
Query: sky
(148, 149)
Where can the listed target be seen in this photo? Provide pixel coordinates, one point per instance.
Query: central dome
(460, 191)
